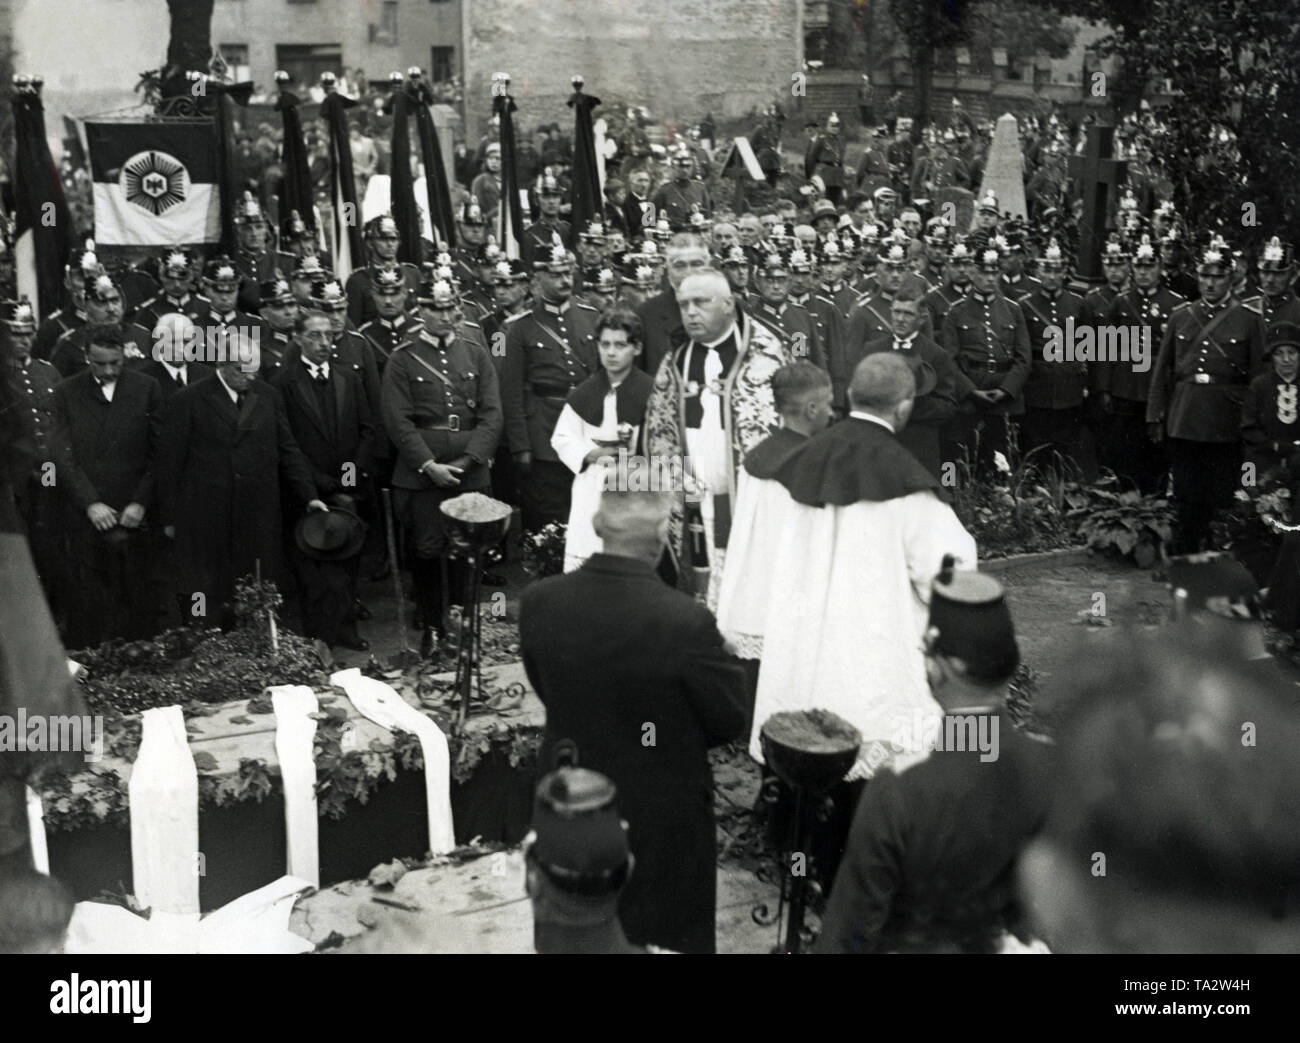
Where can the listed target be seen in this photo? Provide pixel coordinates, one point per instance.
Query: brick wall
(679, 58)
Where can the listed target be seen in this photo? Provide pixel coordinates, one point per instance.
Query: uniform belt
(454, 422)
(1210, 378)
(992, 366)
(552, 390)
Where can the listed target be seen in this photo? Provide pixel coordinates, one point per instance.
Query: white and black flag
(154, 183)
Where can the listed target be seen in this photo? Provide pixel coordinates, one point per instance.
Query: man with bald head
(712, 403)
(866, 534)
(177, 345)
(637, 686)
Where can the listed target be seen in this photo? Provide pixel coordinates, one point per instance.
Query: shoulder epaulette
(465, 322)
(514, 318)
(583, 304)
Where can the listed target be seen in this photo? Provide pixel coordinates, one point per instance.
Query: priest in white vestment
(850, 580)
(599, 424)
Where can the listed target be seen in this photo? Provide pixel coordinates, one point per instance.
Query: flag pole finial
(577, 81)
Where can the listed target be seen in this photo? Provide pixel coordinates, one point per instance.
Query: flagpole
(585, 199)
(510, 212)
(43, 224)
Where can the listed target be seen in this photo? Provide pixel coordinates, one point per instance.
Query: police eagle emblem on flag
(154, 181)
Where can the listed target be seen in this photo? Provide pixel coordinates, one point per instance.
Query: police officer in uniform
(472, 235)
(37, 492)
(222, 289)
(176, 272)
(104, 306)
(955, 285)
(62, 320)
(683, 195)
(392, 324)
(382, 243)
(1211, 350)
(1056, 388)
(541, 235)
(1120, 390)
(255, 257)
(441, 407)
(548, 352)
(987, 335)
(298, 240)
(771, 306)
(1277, 300)
(280, 316)
(1115, 258)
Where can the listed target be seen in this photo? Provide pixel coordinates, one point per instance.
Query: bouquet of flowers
(544, 550)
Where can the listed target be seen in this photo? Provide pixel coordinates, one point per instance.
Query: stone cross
(1096, 174)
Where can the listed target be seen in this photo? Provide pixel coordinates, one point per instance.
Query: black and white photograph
(698, 477)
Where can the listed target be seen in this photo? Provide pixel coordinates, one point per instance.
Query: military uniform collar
(393, 324)
(833, 289)
(984, 298)
(555, 309)
(441, 343)
(798, 299)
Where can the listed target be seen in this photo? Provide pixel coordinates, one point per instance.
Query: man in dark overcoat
(107, 422)
(226, 445)
(333, 426)
(636, 681)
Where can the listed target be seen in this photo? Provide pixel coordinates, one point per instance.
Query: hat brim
(350, 547)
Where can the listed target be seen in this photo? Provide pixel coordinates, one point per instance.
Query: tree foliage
(189, 45)
(1233, 129)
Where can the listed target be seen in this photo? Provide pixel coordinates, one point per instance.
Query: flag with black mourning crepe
(155, 184)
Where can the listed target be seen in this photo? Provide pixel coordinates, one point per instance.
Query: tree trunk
(190, 44)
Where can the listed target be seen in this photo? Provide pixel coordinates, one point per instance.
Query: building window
(235, 56)
(389, 20)
(306, 62)
(443, 65)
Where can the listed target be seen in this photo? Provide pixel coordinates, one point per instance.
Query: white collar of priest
(859, 414)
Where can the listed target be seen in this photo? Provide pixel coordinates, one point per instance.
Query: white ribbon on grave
(294, 731)
(255, 923)
(36, 829)
(164, 795)
(378, 702)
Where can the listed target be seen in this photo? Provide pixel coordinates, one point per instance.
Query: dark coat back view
(633, 673)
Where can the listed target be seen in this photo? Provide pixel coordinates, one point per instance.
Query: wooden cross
(1095, 173)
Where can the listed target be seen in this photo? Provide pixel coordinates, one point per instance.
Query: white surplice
(745, 591)
(846, 617)
(572, 440)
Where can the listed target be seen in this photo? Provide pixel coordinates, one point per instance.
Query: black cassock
(634, 674)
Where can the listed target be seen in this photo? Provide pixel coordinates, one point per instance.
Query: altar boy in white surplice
(801, 392)
(601, 419)
(850, 580)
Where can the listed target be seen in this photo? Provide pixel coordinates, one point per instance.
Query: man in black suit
(940, 386)
(686, 253)
(636, 683)
(226, 444)
(930, 864)
(175, 341)
(107, 422)
(333, 426)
